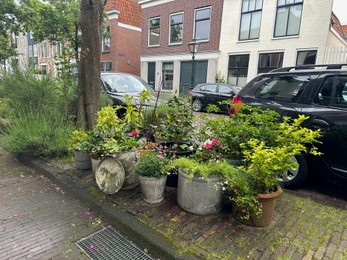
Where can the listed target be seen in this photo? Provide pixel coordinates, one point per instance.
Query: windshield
(121, 83)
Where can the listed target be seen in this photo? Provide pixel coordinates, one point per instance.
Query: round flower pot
(95, 162)
(128, 159)
(267, 201)
(199, 196)
(152, 188)
(82, 160)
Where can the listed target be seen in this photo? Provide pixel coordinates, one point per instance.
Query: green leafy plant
(264, 162)
(219, 78)
(79, 141)
(178, 123)
(152, 164)
(249, 122)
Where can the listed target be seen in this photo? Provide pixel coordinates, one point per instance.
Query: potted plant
(255, 185)
(152, 169)
(200, 189)
(79, 143)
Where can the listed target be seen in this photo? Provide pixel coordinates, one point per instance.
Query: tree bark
(89, 67)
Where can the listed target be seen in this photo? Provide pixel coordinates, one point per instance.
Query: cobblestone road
(37, 220)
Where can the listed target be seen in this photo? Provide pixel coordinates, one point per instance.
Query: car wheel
(197, 105)
(292, 179)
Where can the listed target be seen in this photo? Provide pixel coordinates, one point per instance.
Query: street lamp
(193, 48)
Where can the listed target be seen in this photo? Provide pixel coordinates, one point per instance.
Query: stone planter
(152, 188)
(199, 196)
(268, 202)
(128, 159)
(82, 160)
(95, 162)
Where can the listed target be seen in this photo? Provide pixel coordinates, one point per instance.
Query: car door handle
(321, 124)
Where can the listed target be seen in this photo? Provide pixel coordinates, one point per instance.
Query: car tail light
(190, 93)
(237, 102)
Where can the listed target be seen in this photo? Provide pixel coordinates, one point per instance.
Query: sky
(340, 9)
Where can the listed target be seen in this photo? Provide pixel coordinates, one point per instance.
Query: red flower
(208, 146)
(216, 142)
(134, 133)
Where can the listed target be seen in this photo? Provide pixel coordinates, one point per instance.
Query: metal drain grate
(109, 244)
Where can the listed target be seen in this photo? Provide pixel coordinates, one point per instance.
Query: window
(306, 57)
(328, 95)
(106, 66)
(167, 76)
(286, 88)
(250, 19)
(225, 90)
(238, 69)
(59, 48)
(176, 28)
(43, 49)
(269, 61)
(154, 32)
(106, 40)
(202, 24)
(44, 69)
(288, 17)
(51, 51)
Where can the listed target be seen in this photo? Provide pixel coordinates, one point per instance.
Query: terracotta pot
(268, 202)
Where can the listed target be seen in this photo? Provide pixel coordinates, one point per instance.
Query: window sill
(175, 44)
(250, 40)
(153, 46)
(285, 37)
(105, 52)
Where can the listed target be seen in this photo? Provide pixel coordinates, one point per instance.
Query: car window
(341, 91)
(286, 88)
(211, 88)
(324, 94)
(328, 95)
(124, 83)
(225, 89)
(203, 88)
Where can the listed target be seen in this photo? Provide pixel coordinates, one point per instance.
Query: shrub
(151, 164)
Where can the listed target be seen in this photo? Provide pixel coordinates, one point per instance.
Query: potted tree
(255, 185)
(79, 143)
(200, 189)
(152, 169)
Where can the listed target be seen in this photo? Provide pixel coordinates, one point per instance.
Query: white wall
(313, 34)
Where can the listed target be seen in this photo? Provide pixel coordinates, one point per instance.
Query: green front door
(186, 75)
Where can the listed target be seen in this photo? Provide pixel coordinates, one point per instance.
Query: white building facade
(260, 35)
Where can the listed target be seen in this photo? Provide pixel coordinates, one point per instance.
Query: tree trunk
(89, 66)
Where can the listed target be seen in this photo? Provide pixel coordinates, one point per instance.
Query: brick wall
(188, 7)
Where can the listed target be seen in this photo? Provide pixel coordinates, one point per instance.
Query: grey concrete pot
(95, 162)
(128, 160)
(153, 188)
(82, 160)
(199, 196)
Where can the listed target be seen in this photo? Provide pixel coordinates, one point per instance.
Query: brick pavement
(37, 219)
(304, 226)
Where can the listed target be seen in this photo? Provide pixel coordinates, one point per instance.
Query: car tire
(197, 105)
(293, 179)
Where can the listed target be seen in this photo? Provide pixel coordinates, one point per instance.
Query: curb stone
(135, 230)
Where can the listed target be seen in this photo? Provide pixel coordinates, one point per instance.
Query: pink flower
(216, 142)
(134, 133)
(87, 213)
(208, 146)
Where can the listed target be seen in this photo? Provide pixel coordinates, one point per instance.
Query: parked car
(317, 91)
(117, 85)
(212, 93)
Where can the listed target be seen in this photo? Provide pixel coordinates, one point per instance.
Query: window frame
(288, 5)
(166, 72)
(237, 68)
(195, 22)
(149, 31)
(269, 67)
(106, 40)
(243, 13)
(104, 66)
(170, 28)
(307, 51)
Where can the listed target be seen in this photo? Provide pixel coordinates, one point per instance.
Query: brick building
(167, 28)
(121, 42)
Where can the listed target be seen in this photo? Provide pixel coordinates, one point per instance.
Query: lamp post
(193, 48)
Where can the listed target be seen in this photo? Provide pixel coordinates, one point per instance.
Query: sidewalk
(302, 227)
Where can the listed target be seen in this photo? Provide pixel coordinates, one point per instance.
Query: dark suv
(318, 91)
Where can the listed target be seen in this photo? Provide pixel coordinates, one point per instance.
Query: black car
(212, 93)
(317, 91)
(117, 85)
